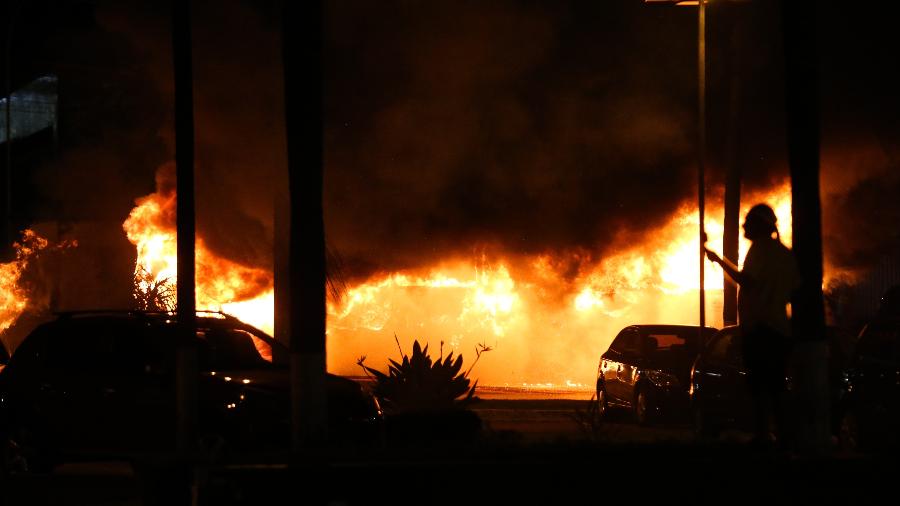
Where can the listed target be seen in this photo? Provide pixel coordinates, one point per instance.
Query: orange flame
(539, 341)
(547, 328)
(14, 299)
(221, 284)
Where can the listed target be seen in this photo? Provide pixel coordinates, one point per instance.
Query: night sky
(459, 129)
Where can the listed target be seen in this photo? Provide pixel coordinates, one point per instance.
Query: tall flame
(546, 326)
(221, 284)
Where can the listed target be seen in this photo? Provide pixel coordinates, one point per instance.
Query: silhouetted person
(766, 282)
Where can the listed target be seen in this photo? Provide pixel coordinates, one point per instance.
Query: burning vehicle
(102, 384)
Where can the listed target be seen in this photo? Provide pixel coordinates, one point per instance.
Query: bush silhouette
(418, 385)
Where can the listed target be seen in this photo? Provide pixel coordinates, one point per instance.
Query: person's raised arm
(732, 270)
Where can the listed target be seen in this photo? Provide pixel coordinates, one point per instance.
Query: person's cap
(763, 213)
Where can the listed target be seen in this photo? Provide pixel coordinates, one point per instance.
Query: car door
(720, 379)
(144, 396)
(73, 387)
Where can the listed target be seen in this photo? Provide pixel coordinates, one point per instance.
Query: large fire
(15, 298)
(222, 285)
(547, 328)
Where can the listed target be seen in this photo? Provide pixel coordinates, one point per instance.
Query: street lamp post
(701, 142)
(701, 152)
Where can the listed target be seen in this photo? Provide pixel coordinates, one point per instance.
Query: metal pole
(701, 148)
(731, 238)
(811, 400)
(302, 53)
(186, 355)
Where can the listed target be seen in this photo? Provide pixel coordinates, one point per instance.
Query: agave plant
(418, 384)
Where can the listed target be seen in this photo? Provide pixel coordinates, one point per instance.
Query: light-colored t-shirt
(770, 275)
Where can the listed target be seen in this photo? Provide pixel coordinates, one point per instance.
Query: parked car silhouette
(646, 369)
(103, 384)
(869, 412)
(720, 396)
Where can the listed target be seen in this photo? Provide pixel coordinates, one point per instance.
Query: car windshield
(669, 339)
(234, 348)
(671, 346)
(659, 342)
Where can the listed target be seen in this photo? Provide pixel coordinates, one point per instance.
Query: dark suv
(103, 384)
(646, 369)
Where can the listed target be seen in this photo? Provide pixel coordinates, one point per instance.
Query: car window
(618, 344)
(725, 348)
(631, 342)
(145, 349)
(84, 346)
(659, 341)
(227, 349)
(29, 354)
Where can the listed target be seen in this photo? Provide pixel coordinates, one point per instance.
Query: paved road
(548, 420)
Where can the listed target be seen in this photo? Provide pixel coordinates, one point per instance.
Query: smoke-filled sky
(460, 128)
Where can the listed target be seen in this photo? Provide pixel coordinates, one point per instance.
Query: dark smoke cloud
(238, 97)
(454, 124)
(454, 128)
(113, 60)
(109, 113)
(470, 128)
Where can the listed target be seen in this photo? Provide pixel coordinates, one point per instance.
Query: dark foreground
(533, 452)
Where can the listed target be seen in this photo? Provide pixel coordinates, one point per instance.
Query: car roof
(162, 318)
(669, 328)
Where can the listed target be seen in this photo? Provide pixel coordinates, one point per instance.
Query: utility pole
(186, 353)
(701, 155)
(302, 53)
(808, 321)
(731, 236)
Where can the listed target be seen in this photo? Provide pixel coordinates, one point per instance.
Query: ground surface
(534, 450)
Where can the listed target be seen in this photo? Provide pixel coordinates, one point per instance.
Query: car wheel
(602, 402)
(643, 408)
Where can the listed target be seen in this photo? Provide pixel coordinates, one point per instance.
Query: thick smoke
(465, 129)
(240, 156)
(452, 126)
(115, 131)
